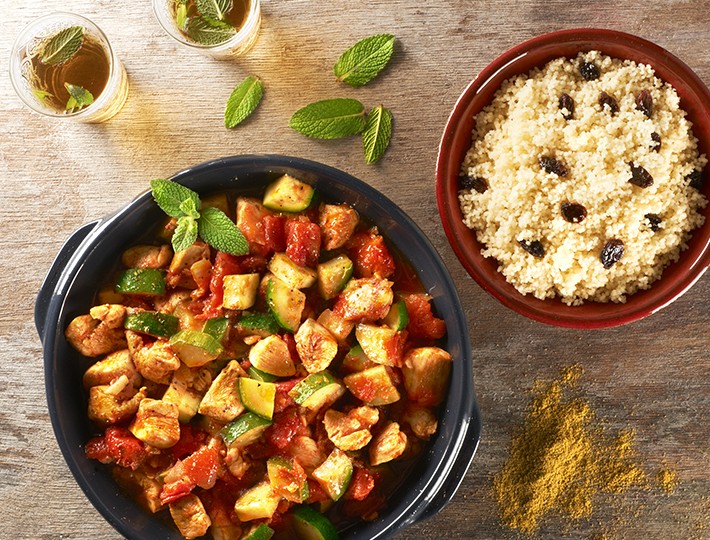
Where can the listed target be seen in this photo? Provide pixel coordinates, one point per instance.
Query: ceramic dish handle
(49, 284)
(469, 443)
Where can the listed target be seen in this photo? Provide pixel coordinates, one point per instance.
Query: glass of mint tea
(62, 65)
(221, 28)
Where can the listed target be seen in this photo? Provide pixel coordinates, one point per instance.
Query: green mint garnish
(206, 31)
(243, 101)
(211, 224)
(329, 118)
(170, 196)
(185, 233)
(181, 15)
(42, 96)
(361, 62)
(78, 97)
(377, 133)
(221, 233)
(63, 46)
(213, 9)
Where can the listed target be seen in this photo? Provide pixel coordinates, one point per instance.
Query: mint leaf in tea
(210, 22)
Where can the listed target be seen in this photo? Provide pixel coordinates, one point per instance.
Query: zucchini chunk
(312, 525)
(285, 303)
(153, 323)
(141, 281)
(296, 277)
(288, 479)
(381, 344)
(333, 275)
(259, 502)
(287, 194)
(398, 317)
(183, 393)
(260, 324)
(258, 532)
(240, 290)
(195, 348)
(217, 328)
(258, 396)
(335, 473)
(244, 430)
(317, 390)
(257, 374)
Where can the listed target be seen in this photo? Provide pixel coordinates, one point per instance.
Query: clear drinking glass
(94, 68)
(239, 43)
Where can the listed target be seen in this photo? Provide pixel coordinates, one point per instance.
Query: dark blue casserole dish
(92, 252)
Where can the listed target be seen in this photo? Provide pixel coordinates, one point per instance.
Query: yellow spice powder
(561, 459)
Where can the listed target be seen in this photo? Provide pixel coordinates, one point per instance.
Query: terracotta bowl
(695, 100)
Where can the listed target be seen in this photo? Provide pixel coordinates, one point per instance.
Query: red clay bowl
(695, 100)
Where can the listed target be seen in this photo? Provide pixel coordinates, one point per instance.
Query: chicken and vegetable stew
(271, 393)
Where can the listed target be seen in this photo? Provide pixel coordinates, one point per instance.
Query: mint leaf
(63, 46)
(42, 95)
(181, 15)
(170, 196)
(206, 31)
(243, 101)
(189, 208)
(185, 233)
(361, 62)
(213, 9)
(377, 133)
(329, 118)
(78, 97)
(221, 233)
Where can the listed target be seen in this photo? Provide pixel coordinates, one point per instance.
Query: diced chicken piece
(337, 224)
(201, 273)
(336, 324)
(421, 419)
(190, 516)
(426, 373)
(307, 452)
(365, 300)
(223, 527)
(179, 271)
(373, 386)
(147, 256)
(156, 423)
(316, 346)
(154, 360)
(99, 332)
(271, 355)
(237, 461)
(144, 489)
(109, 404)
(187, 387)
(387, 445)
(221, 401)
(111, 368)
(350, 431)
(169, 303)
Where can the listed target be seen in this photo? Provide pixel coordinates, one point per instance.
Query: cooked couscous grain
(580, 187)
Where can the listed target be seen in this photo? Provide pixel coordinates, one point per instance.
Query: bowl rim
(460, 418)
(456, 140)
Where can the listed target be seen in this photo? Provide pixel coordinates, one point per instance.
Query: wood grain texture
(651, 376)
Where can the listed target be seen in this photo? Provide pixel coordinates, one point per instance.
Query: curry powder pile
(562, 459)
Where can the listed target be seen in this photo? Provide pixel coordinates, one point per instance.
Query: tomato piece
(97, 448)
(176, 490)
(286, 426)
(283, 400)
(316, 493)
(303, 242)
(202, 466)
(275, 233)
(125, 448)
(188, 443)
(422, 323)
(361, 484)
(224, 265)
(370, 255)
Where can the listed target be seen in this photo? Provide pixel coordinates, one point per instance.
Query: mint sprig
(364, 60)
(329, 118)
(214, 9)
(78, 97)
(243, 101)
(63, 46)
(377, 133)
(208, 31)
(211, 224)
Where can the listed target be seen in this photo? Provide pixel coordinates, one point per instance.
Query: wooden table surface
(650, 376)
